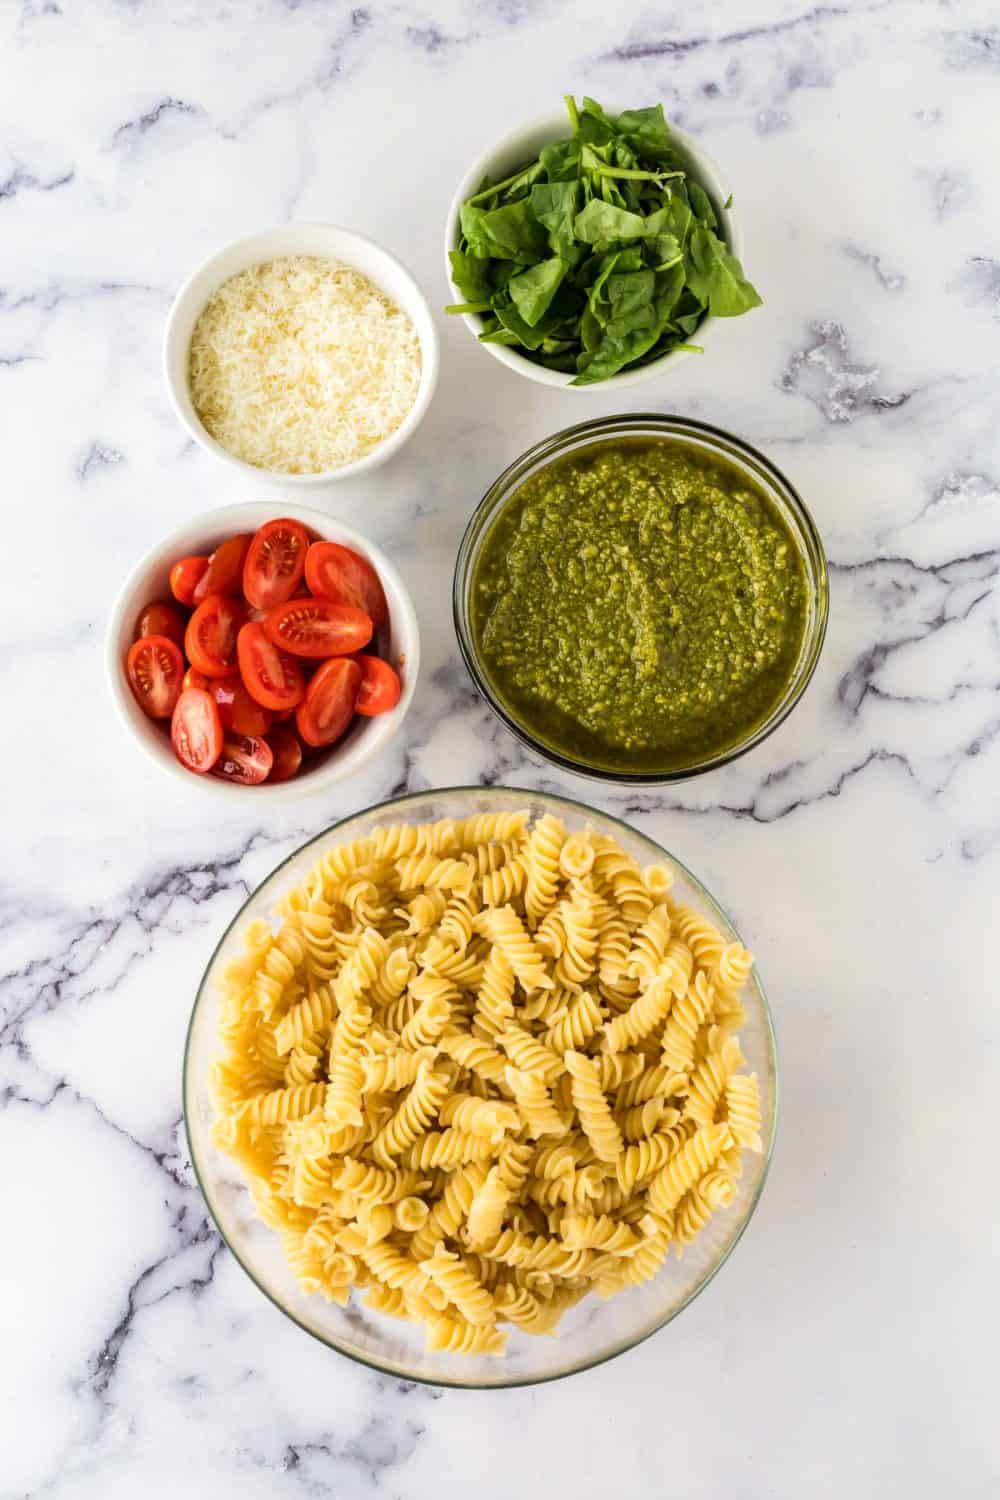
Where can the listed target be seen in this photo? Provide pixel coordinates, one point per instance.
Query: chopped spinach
(600, 255)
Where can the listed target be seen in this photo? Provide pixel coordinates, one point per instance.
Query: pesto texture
(639, 605)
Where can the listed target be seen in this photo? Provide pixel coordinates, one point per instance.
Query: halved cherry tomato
(224, 574)
(244, 758)
(337, 573)
(269, 676)
(154, 667)
(161, 619)
(196, 731)
(210, 638)
(275, 563)
(380, 687)
(287, 754)
(237, 710)
(318, 627)
(194, 678)
(184, 576)
(328, 706)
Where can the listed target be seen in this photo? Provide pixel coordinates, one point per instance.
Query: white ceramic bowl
(324, 240)
(149, 581)
(521, 147)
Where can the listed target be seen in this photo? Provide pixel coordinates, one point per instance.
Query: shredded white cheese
(301, 365)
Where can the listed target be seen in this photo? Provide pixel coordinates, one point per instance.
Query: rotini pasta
(482, 1068)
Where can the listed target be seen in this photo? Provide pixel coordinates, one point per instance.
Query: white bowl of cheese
(302, 354)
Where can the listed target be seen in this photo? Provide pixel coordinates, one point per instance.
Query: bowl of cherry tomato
(263, 649)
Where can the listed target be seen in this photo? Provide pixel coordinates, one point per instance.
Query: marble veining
(849, 1346)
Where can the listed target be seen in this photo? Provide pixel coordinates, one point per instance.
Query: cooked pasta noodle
(482, 1068)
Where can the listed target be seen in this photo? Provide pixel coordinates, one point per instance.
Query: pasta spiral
(574, 1029)
(541, 858)
(683, 1169)
(507, 930)
(642, 1017)
(427, 1093)
(595, 1113)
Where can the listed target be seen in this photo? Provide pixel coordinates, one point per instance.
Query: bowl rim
(229, 517)
(590, 1363)
(556, 126)
(426, 329)
(503, 489)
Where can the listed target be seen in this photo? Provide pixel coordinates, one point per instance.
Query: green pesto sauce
(639, 605)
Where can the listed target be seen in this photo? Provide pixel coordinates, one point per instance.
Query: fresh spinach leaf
(470, 273)
(628, 291)
(593, 125)
(532, 290)
(701, 204)
(647, 132)
(554, 205)
(514, 231)
(560, 161)
(613, 354)
(530, 336)
(716, 277)
(602, 223)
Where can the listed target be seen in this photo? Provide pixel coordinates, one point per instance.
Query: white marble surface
(850, 1347)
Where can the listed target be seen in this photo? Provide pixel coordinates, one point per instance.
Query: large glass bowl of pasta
(480, 1087)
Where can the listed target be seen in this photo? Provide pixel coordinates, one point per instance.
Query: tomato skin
(210, 638)
(184, 576)
(245, 759)
(275, 563)
(271, 677)
(335, 572)
(196, 731)
(154, 668)
(238, 711)
(287, 753)
(161, 619)
(318, 628)
(224, 574)
(328, 706)
(195, 679)
(380, 686)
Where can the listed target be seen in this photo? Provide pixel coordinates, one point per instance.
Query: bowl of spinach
(602, 248)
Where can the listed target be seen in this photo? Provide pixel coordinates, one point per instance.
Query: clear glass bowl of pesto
(641, 598)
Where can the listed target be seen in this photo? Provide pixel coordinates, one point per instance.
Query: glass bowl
(594, 1330)
(700, 435)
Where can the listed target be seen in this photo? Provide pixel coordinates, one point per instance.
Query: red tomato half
(328, 706)
(275, 563)
(196, 731)
(194, 678)
(237, 710)
(210, 638)
(337, 573)
(269, 676)
(319, 628)
(184, 576)
(287, 754)
(224, 574)
(380, 687)
(161, 619)
(154, 667)
(244, 759)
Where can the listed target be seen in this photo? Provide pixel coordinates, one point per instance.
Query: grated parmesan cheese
(301, 365)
